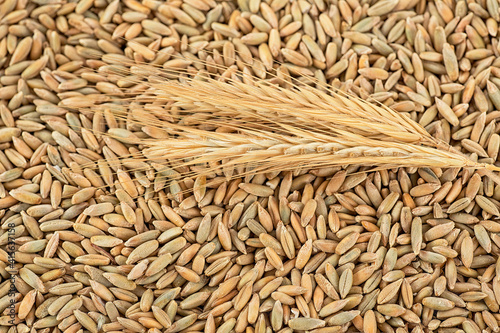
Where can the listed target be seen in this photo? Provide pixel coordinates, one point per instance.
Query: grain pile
(109, 240)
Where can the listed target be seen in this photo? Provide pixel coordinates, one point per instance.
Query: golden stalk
(235, 124)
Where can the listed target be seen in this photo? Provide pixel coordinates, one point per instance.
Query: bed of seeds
(111, 244)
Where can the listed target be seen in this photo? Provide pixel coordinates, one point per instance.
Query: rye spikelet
(240, 125)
